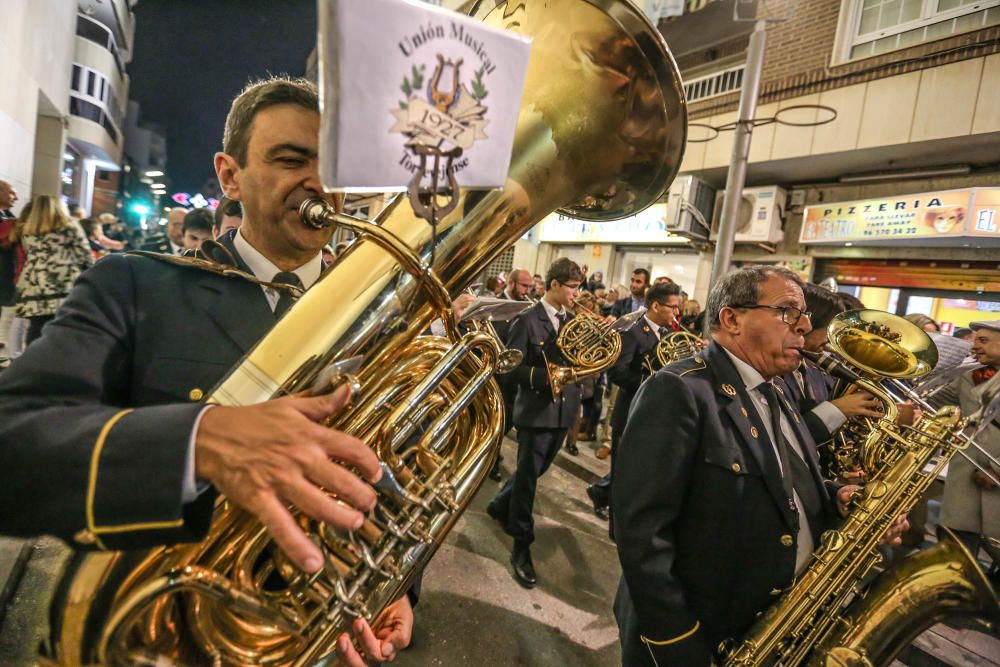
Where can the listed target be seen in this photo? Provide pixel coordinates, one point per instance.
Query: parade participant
(971, 503)
(717, 496)
(542, 419)
(662, 302)
(102, 442)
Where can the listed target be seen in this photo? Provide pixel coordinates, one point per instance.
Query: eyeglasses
(572, 286)
(790, 315)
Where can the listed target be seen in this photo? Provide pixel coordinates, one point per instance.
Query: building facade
(98, 103)
(874, 99)
(36, 48)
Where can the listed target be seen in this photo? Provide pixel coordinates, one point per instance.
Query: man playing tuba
(105, 443)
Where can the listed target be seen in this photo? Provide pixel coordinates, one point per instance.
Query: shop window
(873, 27)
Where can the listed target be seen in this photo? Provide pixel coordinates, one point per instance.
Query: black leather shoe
(572, 449)
(600, 502)
(495, 474)
(524, 569)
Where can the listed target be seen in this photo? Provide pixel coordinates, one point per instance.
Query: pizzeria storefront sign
(948, 217)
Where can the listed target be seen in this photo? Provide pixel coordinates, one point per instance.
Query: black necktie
(285, 297)
(561, 320)
(795, 472)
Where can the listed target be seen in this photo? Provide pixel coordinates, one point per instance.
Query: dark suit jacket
(703, 525)
(158, 244)
(628, 372)
(622, 306)
(96, 416)
(532, 333)
(819, 389)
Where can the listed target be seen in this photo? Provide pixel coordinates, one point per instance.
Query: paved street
(473, 612)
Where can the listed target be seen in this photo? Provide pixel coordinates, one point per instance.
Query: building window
(75, 84)
(880, 26)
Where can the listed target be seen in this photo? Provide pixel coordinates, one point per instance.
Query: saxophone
(428, 405)
(827, 617)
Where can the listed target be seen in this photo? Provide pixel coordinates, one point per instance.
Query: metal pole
(741, 151)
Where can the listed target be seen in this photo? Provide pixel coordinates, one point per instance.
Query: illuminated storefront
(618, 247)
(953, 292)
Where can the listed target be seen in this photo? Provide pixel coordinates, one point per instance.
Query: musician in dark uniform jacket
(519, 286)
(541, 419)
(713, 514)
(638, 343)
(104, 440)
(812, 389)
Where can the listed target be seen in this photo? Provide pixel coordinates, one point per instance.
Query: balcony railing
(98, 33)
(717, 83)
(90, 111)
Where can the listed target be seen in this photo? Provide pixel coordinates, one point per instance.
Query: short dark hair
(659, 293)
(256, 97)
(823, 304)
(643, 271)
(961, 332)
(741, 286)
(563, 270)
(200, 219)
(226, 207)
(849, 301)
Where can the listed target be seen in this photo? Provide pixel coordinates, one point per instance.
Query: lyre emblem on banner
(437, 114)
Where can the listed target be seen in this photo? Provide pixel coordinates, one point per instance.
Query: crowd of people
(719, 488)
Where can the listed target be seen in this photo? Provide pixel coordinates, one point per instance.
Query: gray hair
(741, 287)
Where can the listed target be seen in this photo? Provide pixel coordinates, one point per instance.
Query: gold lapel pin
(729, 389)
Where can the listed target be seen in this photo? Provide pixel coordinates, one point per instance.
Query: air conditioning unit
(689, 207)
(760, 215)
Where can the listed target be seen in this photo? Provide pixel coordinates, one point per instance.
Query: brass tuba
(827, 617)
(600, 135)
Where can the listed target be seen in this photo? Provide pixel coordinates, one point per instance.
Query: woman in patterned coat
(57, 251)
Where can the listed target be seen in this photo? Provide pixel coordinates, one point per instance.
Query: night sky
(193, 56)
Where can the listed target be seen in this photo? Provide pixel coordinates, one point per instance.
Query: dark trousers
(35, 325)
(536, 449)
(602, 487)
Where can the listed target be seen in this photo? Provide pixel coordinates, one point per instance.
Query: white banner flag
(396, 75)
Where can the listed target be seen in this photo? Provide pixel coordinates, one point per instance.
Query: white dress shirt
(753, 379)
(265, 270)
(551, 311)
(828, 413)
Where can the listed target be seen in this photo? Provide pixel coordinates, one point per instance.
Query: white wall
(36, 49)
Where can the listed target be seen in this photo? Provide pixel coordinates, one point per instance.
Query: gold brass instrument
(826, 617)
(599, 75)
(674, 346)
(589, 345)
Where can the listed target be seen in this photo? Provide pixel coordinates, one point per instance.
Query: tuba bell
(829, 616)
(600, 135)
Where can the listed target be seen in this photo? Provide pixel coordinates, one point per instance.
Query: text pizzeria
(884, 206)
